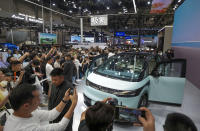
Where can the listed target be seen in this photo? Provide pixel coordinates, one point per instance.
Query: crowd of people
(38, 77)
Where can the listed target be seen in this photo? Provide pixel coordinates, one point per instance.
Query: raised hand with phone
(148, 122)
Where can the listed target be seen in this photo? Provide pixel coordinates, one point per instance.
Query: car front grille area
(101, 88)
(87, 100)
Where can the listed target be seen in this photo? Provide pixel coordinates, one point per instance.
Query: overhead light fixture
(125, 11)
(148, 2)
(74, 5)
(108, 8)
(135, 8)
(53, 4)
(47, 8)
(85, 10)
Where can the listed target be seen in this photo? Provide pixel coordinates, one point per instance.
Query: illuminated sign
(99, 20)
(120, 34)
(28, 18)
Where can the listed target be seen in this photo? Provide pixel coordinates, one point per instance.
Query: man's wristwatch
(64, 101)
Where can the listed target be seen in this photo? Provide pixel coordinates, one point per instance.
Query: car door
(97, 61)
(167, 82)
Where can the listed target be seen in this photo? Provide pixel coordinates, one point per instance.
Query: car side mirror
(155, 73)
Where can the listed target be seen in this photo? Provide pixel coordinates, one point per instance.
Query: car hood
(115, 83)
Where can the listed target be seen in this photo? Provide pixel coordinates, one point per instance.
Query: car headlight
(128, 93)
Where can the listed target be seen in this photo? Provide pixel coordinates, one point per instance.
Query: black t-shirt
(57, 94)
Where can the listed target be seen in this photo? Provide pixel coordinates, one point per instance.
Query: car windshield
(126, 67)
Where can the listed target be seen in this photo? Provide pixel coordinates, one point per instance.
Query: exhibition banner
(45, 38)
(75, 39)
(160, 6)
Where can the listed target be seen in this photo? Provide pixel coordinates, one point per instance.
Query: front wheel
(143, 101)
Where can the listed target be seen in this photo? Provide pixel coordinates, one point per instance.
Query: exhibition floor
(190, 107)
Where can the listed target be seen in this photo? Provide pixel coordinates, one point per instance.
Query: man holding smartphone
(25, 100)
(59, 87)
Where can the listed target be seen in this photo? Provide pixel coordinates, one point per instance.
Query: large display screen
(45, 38)
(89, 39)
(75, 39)
(160, 6)
(149, 41)
(99, 20)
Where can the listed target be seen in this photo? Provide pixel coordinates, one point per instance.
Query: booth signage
(99, 20)
(28, 18)
(120, 34)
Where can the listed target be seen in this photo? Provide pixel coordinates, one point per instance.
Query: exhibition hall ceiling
(96, 7)
(123, 16)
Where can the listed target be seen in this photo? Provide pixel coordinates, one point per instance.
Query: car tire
(143, 101)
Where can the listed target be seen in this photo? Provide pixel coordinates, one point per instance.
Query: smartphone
(124, 114)
(71, 91)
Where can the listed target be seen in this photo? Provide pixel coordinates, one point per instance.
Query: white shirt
(49, 68)
(56, 65)
(77, 63)
(33, 123)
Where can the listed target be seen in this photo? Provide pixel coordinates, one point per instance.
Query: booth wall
(167, 38)
(186, 38)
